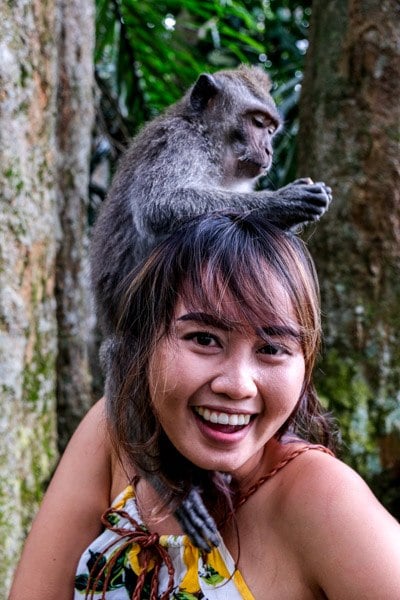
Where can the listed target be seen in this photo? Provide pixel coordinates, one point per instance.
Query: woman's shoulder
(346, 539)
(318, 487)
(295, 478)
(318, 475)
(296, 456)
(92, 446)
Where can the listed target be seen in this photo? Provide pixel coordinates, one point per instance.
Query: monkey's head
(240, 118)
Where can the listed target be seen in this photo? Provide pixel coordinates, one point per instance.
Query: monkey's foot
(196, 522)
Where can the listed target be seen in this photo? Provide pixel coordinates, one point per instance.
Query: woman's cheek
(283, 388)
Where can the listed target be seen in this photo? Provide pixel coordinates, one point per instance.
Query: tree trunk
(74, 127)
(349, 137)
(34, 205)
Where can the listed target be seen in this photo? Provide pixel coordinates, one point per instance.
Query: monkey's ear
(205, 88)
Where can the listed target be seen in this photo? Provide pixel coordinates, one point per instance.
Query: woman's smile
(219, 417)
(220, 426)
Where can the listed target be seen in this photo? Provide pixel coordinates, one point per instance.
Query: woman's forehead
(258, 307)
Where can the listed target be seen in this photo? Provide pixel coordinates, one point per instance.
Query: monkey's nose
(267, 162)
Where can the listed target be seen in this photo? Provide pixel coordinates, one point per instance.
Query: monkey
(206, 152)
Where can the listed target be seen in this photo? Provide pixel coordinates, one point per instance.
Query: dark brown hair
(200, 263)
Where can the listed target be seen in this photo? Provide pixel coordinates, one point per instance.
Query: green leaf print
(81, 582)
(211, 576)
(117, 578)
(94, 565)
(113, 519)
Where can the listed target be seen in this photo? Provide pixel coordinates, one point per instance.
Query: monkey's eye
(259, 121)
(271, 129)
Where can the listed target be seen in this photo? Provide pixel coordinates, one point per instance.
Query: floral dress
(196, 575)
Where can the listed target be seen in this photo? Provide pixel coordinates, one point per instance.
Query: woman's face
(222, 393)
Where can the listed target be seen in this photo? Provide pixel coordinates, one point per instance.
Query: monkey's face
(221, 393)
(249, 148)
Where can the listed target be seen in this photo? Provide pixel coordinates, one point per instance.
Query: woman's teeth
(221, 418)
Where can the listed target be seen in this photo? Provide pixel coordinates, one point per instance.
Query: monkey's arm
(299, 202)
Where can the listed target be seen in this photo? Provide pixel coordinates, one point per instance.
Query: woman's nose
(235, 380)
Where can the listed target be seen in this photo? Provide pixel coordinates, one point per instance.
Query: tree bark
(75, 108)
(37, 198)
(349, 137)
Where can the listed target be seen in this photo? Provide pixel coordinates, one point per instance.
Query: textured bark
(349, 137)
(31, 168)
(28, 229)
(74, 128)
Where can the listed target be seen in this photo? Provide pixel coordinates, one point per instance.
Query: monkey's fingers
(197, 522)
(326, 188)
(317, 187)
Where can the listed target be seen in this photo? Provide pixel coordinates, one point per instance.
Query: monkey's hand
(197, 522)
(299, 202)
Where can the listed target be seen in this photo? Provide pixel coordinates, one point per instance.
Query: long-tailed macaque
(205, 153)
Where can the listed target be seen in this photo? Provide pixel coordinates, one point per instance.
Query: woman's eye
(273, 350)
(203, 338)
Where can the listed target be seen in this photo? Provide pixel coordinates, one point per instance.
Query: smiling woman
(211, 388)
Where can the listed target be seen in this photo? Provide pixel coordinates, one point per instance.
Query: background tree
(46, 112)
(75, 108)
(349, 136)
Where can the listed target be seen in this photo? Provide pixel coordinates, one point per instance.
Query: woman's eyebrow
(213, 321)
(280, 331)
(205, 319)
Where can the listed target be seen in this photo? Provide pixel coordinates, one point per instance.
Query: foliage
(147, 54)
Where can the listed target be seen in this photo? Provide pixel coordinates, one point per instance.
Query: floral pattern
(197, 576)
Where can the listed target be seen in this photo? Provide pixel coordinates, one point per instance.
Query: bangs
(238, 297)
(246, 277)
(235, 268)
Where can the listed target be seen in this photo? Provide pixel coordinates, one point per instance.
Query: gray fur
(187, 162)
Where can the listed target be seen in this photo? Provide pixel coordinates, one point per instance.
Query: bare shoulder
(69, 517)
(86, 461)
(349, 543)
(328, 482)
(94, 422)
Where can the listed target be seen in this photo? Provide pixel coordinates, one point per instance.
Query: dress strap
(291, 456)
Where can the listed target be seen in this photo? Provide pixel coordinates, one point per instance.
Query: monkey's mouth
(224, 422)
(251, 168)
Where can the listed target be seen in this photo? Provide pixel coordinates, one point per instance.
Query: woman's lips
(217, 417)
(222, 425)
